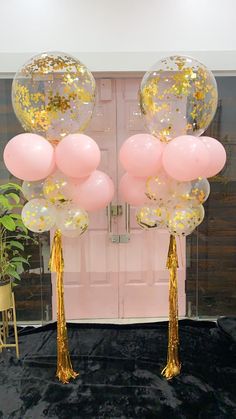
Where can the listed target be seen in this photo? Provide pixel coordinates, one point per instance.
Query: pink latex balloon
(141, 155)
(186, 158)
(77, 155)
(29, 157)
(217, 155)
(95, 192)
(133, 189)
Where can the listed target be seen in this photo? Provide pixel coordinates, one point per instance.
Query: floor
(120, 373)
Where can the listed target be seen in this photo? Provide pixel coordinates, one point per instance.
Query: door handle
(115, 211)
(109, 219)
(125, 238)
(127, 218)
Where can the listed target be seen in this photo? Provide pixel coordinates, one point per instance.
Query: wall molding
(136, 62)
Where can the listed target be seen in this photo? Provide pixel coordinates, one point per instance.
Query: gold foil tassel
(173, 365)
(56, 264)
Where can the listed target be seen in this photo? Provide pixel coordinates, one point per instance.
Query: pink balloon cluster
(31, 157)
(171, 168)
(184, 159)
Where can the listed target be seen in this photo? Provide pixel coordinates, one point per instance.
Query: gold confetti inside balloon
(72, 221)
(178, 96)
(198, 193)
(184, 219)
(38, 215)
(179, 188)
(53, 94)
(58, 189)
(158, 188)
(164, 190)
(152, 217)
(32, 190)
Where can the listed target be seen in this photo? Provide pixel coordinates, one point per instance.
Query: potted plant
(13, 236)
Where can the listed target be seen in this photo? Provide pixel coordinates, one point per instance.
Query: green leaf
(11, 271)
(19, 222)
(19, 259)
(16, 216)
(19, 267)
(10, 185)
(15, 275)
(17, 264)
(8, 222)
(17, 206)
(18, 245)
(4, 202)
(14, 196)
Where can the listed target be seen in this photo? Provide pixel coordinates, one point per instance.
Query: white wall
(139, 30)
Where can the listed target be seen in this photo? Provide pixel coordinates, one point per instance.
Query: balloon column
(53, 95)
(167, 170)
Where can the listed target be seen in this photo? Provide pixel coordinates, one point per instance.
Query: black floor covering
(120, 376)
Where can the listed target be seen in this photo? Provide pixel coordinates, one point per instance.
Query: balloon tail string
(173, 365)
(56, 264)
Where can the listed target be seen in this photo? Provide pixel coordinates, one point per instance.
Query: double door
(116, 270)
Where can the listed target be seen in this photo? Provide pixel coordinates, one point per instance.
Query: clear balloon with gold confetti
(38, 215)
(178, 96)
(72, 221)
(178, 188)
(58, 189)
(152, 217)
(53, 94)
(196, 195)
(158, 188)
(183, 219)
(32, 190)
(163, 190)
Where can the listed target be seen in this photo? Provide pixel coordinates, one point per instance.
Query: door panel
(143, 274)
(91, 262)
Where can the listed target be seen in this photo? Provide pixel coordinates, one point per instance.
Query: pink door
(116, 270)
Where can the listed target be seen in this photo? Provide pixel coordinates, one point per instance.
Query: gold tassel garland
(64, 367)
(173, 366)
